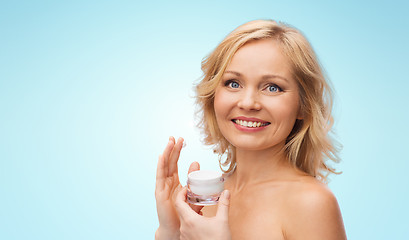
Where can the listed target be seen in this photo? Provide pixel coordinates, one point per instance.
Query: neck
(258, 166)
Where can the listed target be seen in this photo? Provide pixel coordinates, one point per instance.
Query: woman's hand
(167, 187)
(195, 226)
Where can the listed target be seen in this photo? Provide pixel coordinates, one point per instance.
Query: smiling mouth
(250, 124)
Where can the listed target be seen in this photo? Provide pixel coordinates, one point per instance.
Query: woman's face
(257, 101)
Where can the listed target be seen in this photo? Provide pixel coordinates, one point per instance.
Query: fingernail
(184, 144)
(226, 194)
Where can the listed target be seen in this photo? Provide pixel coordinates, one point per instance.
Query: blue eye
(232, 84)
(274, 88)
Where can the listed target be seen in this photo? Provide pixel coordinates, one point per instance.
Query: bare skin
(284, 204)
(291, 206)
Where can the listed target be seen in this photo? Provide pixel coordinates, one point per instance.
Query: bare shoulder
(314, 210)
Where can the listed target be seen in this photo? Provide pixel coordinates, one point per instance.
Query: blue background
(90, 91)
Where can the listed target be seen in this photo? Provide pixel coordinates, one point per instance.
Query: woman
(266, 106)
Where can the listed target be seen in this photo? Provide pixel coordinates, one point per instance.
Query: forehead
(261, 57)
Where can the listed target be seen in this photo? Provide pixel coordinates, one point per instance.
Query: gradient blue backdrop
(91, 90)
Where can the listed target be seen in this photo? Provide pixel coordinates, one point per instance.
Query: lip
(249, 129)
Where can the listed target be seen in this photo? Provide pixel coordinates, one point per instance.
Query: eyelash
(229, 82)
(274, 85)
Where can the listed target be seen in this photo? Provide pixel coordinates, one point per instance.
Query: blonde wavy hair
(309, 145)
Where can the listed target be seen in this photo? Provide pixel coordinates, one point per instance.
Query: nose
(249, 101)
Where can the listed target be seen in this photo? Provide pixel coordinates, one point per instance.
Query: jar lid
(205, 176)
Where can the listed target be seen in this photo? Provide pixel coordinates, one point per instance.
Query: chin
(251, 144)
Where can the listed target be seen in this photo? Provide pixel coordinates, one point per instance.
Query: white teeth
(250, 123)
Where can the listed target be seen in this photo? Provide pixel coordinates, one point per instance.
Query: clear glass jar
(204, 187)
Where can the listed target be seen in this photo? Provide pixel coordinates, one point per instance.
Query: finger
(223, 206)
(181, 206)
(194, 166)
(196, 208)
(174, 157)
(166, 154)
(160, 174)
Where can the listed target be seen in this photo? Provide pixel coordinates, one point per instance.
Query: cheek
(286, 109)
(216, 106)
(220, 104)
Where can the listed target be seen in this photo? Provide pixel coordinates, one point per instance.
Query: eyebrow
(264, 77)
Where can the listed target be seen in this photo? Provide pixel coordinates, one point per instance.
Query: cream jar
(204, 187)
